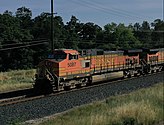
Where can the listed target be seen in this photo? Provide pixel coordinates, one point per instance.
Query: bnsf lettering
(71, 64)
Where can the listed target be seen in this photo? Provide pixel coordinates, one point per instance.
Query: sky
(100, 12)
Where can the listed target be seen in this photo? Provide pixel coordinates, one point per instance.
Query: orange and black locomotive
(66, 68)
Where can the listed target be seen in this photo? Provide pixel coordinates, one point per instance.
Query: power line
(113, 10)
(125, 12)
(106, 10)
(99, 9)
(97, 41)
(13, 44)
(24, 46)
(151, 31)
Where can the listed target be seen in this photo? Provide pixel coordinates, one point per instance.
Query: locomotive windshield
(58, 57)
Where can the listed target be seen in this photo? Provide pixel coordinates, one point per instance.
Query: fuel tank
(108, 76)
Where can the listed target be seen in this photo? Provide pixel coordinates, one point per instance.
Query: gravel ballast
(55, 104)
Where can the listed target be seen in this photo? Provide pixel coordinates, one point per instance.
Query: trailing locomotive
(67, 68)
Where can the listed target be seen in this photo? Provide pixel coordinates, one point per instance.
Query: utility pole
(52, 26)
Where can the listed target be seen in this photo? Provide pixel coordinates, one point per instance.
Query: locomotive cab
(152, 59)
(51, 71)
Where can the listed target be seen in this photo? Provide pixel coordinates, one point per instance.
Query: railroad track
(60, 102)
(27, 94)
(16, 93)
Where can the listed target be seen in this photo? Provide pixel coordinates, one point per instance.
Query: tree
(41, 26)
(12, 35)
(10, 28)
(59, 32)
(24, 15)
(145, 36)
(8, 13)
(137, 31)
(110, 37)
(125, 37)
(89, 35)
(137, 27)
(41, 31)
(72, 29)
(158, 33)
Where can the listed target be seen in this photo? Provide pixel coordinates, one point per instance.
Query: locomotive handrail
(143, 62)
(49, 74)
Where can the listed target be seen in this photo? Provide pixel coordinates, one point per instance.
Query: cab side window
(73, 57)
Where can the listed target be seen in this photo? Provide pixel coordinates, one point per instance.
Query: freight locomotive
(67, 68)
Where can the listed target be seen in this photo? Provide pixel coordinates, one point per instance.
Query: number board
(71, 64)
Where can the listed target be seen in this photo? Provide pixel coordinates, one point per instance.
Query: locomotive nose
(47, 69)
(46, 76)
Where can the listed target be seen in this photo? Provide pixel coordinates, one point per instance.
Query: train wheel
(78, 86)
(135, 74)
(141, 73)
(89, 81)
(152, 71)
(129, 75)
(125, 74)
(67, 88)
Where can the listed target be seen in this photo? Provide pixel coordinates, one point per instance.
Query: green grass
(15, 80)
(143, 107)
